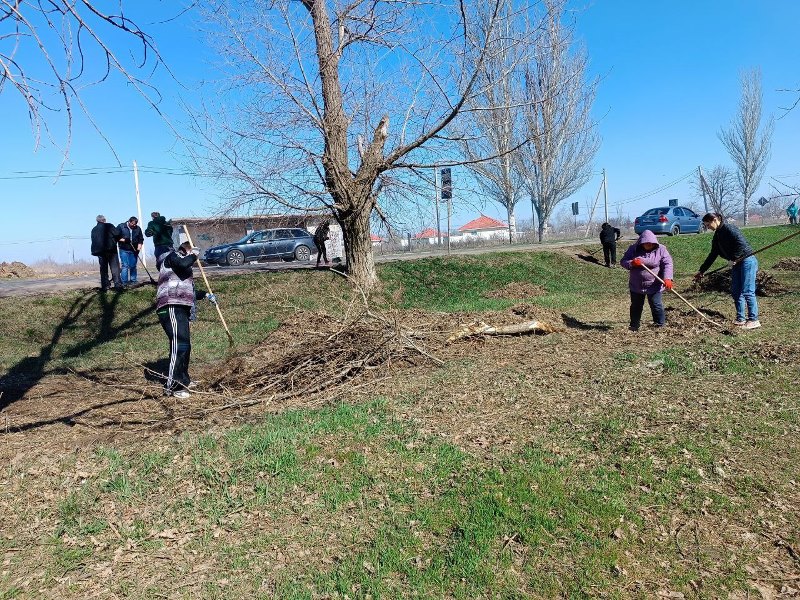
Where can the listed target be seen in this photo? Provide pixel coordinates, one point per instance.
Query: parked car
(288, 244)
(671, 220)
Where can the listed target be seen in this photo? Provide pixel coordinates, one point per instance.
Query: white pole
(138, 205)
(605, 195)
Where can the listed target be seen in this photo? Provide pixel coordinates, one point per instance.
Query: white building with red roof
(484, 228)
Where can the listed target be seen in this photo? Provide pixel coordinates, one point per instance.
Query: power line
(17, 175)
(666, 186)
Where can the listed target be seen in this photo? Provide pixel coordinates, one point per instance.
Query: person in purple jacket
(175, 298)
(649, 253)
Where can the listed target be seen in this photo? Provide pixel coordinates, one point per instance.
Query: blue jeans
(128, 266)
(743, 289)
(656, 309)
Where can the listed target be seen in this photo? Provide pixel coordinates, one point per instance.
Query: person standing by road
(175, 298)
(320, 237)
(161, 232)
(608, 238)
(729, 243)
(104, 246)
(791, 212)
(647, 252)
(129, 247)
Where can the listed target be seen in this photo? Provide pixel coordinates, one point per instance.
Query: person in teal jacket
(791, 211)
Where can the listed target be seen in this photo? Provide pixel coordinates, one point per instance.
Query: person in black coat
(320, 237)
(729, 243)
(608, 238)
(104, 246)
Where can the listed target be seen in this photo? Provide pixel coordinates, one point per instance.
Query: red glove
(668, 284)
(637, 262)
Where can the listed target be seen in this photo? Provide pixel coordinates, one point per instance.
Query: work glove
(211, 298)
(196, 251)
(668, 284)
(637, 262)
(698, 276)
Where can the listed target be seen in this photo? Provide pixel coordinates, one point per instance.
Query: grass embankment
(587, 463)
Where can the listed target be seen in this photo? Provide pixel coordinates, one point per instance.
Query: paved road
(50, 285)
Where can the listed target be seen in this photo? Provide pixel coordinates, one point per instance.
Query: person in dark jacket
(104, 247)
(175, 298)
(161, 232)
(729, 243)
(608, 238)
(130, 244)
(649, 253)
(320, 237)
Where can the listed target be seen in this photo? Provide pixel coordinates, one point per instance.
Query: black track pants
(610, 253)
(175, 321)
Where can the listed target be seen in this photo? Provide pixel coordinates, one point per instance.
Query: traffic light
(447, 184)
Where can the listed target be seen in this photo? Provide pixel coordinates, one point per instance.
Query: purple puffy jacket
(659, 261)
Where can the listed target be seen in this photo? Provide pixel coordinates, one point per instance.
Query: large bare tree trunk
(358, 246)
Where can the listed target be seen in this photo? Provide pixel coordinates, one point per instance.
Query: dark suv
(288, 244)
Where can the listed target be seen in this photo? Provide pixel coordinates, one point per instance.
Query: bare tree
(746, 141)
(718, 185)
(50, 50)
(557, 161)
(494, 121)
(335, 104)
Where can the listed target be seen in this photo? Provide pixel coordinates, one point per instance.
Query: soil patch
(16, 270)
(788, 264)
(515, 290)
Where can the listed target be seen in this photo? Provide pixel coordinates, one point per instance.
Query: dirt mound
(515, 291)
(766, 285)
(788, 264)
(16, 270)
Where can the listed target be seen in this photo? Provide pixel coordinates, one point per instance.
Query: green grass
(613, 445)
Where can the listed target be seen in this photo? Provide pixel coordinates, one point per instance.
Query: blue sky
(670, 80)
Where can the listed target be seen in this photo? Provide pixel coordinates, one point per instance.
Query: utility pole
(449, 213)
(605, 195)
(703, 187)
(138, 206)
(436, 203)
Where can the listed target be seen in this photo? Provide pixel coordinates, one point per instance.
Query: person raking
(729, 243)
(649, 253)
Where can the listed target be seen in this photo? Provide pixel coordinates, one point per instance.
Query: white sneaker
(192, 385)
(180, 394)
(739, 323)
(752, 324)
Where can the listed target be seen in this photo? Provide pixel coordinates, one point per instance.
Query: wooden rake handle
(692, 306)
(208, 287)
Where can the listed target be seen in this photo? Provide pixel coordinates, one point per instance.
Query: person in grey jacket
(175, 297)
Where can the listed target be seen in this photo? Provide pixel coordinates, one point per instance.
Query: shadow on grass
(574, 323)
(28, 372)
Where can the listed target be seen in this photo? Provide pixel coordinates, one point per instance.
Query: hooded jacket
(160, 231)
(657, 260)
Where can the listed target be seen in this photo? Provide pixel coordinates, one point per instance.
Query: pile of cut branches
(766, 284)
(315, 355)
